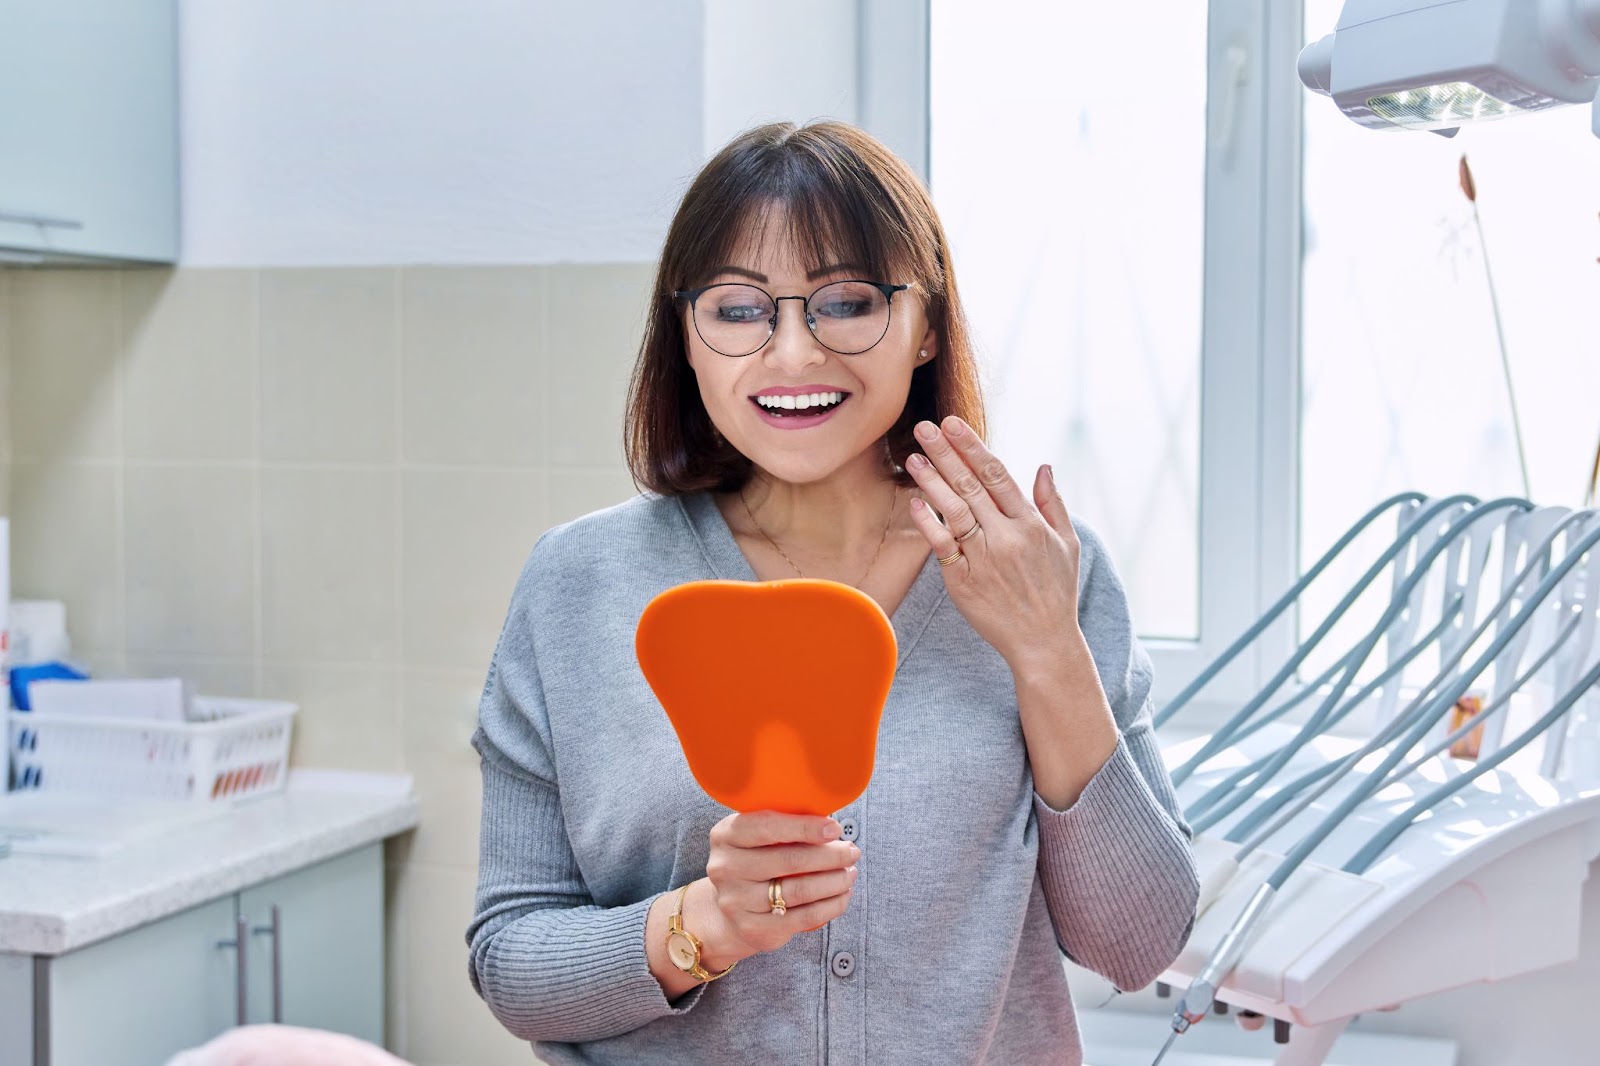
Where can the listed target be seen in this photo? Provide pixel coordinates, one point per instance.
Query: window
(1074, 197)
(1117, 183)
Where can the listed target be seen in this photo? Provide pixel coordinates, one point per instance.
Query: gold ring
(973, 532)
(775, 897)
(947, 560)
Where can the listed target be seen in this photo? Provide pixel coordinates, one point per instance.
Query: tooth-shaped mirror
(775, 688)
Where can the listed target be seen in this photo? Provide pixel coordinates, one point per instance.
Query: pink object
(285, 1045)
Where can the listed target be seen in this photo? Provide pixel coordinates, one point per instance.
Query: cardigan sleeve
(1118, 876)
(551, 964)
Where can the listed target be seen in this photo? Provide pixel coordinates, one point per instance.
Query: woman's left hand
(1016, 580)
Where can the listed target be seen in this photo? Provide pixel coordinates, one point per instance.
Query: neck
(834, 521)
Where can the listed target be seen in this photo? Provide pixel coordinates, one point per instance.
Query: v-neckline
(727, 562)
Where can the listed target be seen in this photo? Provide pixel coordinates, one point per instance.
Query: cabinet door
(329, 945)
(88, 127)
(145, 995)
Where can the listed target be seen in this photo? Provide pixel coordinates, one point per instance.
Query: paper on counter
(161, 698)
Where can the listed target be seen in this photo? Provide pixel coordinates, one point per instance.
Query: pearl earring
(922, 354)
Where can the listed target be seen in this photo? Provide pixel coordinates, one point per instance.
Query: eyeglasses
(736, 319)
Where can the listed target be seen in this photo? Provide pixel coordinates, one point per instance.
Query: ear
(930, 344)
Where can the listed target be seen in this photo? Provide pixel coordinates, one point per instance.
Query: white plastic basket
(233, 748)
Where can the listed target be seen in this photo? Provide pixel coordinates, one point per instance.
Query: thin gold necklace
(881, 540)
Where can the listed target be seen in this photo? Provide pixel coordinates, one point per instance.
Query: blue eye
(742, 313)
(844, 308)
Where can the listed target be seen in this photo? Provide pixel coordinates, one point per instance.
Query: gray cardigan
(970, 886)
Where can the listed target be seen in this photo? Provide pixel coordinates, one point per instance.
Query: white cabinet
(88, 131)
(323, 968)
(141, 997)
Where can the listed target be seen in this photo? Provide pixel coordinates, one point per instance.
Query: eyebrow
(811, 275)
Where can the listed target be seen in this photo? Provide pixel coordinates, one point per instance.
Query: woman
(1018, 807)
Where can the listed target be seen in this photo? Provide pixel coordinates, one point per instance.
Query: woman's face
(794, 447)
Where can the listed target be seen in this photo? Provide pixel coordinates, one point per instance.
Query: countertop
(50, 905)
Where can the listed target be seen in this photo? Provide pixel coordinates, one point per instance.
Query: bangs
(829, 210)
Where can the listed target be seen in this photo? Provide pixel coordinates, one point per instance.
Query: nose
(792, 347)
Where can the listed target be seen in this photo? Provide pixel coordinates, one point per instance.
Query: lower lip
(797, 421)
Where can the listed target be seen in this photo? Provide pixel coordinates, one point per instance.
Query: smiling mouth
(815, 404)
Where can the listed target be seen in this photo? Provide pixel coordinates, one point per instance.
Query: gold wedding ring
(969, 534)
(947, 560)
(775, 897)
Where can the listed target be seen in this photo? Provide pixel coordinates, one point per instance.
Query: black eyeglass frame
(884, 287)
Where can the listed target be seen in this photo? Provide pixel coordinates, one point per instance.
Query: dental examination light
(1432, 862)
(1427, 65)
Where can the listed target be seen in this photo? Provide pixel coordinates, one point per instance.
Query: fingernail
(927, 430)
(916, 461)
(855, 851)
(953, 426)
(830, 831)
(853, 873)
(1050, 475)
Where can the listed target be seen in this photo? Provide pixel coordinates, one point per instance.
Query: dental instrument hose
(1318, 720)
(1476, 722)
(1265, 810)
(1189, 691)
(1195, 812)
(1227, 954)
(1223, 736)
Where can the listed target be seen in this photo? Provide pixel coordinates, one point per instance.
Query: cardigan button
(844, 964)
(847, 829)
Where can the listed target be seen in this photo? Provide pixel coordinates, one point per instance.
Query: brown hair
(846, 198)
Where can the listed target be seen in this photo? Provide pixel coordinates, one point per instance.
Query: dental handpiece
(1197, 1001)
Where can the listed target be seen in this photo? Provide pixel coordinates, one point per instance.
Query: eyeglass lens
(848, 317)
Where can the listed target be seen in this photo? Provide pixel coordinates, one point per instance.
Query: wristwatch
(683, 947)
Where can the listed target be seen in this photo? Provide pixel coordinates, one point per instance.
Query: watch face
(680, 949)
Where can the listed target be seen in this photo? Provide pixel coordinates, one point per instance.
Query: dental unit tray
(1489, 888)
(1345, 874)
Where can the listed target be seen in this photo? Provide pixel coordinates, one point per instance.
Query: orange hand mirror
(775, 688)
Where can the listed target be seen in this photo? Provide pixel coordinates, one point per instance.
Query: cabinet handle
(40, 220)
(275, 930)
(241, 977)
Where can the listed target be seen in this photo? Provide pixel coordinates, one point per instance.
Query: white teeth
(815, 399)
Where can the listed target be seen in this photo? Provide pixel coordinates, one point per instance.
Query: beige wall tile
(99, 663)
(349, 716)
(440, 712)
(329, 541)
(5, 376)
(464, 537)
(472, 365)
(595, 322)
(446, 1021)
(575, 492)
(231, 677)
(64, 546)
(190, 364)
(191, 536)
(65, 401)
(329, 361)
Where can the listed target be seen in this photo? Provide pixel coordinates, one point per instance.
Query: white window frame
(1250, 346)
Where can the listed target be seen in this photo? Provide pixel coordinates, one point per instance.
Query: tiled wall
(320, 485)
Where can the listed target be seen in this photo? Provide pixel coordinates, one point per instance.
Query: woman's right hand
(816, 869)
